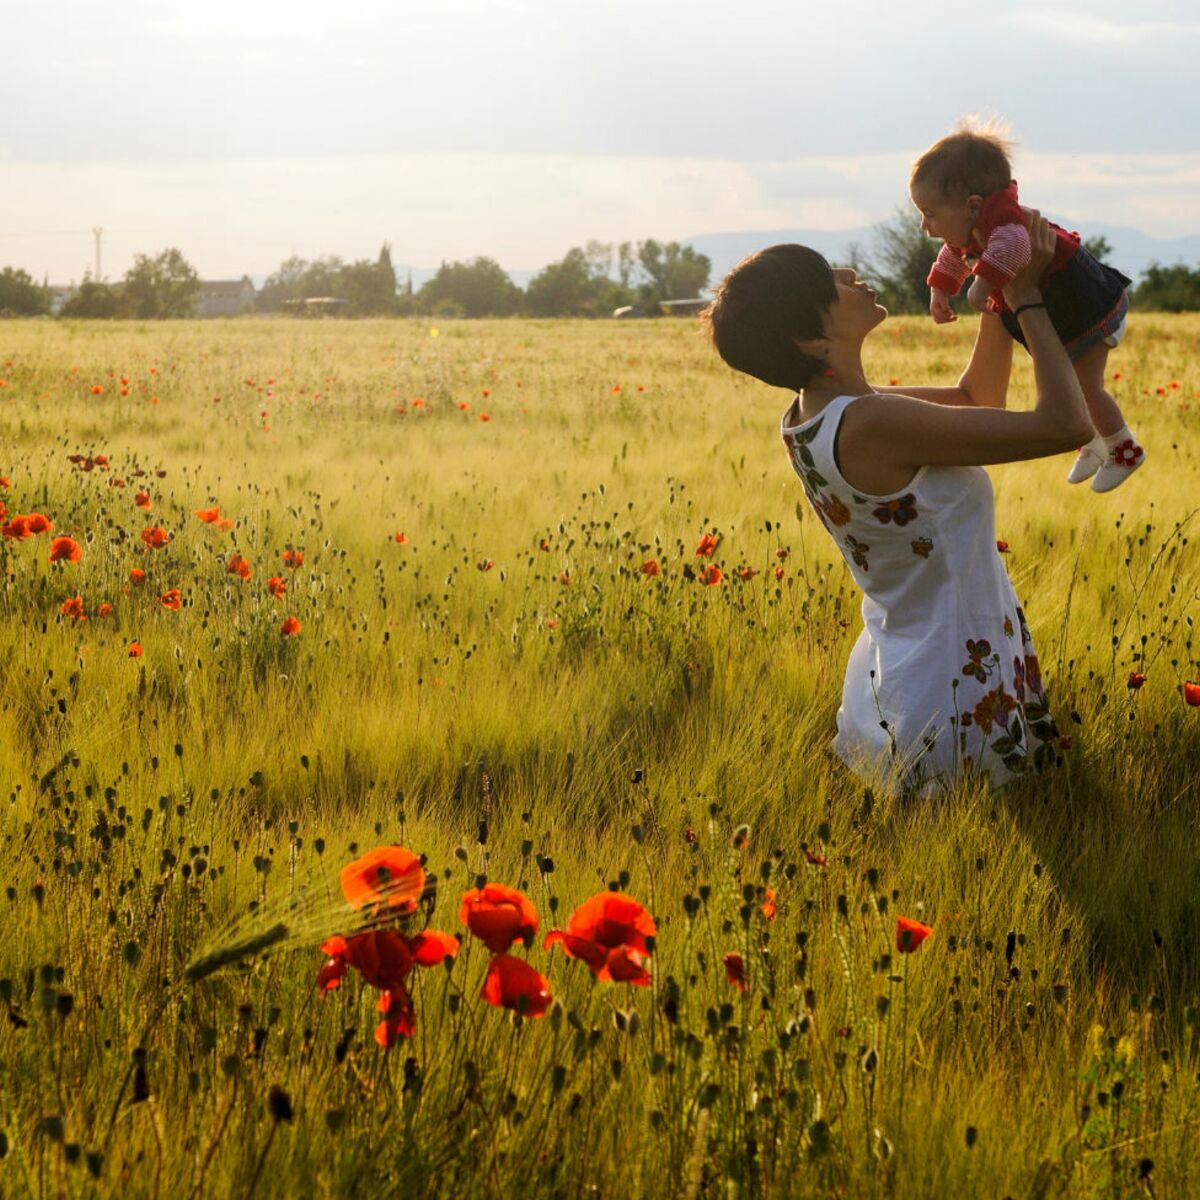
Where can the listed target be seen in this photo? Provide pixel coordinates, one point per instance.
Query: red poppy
(290, 627)
(768, 905)
(97, 390)
(910, 934)
(171, 599)
(135, 649)
(210, 516)
(137, 575)
(544, 544)
(747, 572)
(513, 983)
(1135, 680)
(565, 579)
(779, 572)
(463, 406)
(276, 586)
(293, 558)
(499, 916)
(781, 554)
(39, 523)
(237, 565)
(399, 1017)
(1191, 694)
(65, 549)
(73, 608)
(401, 539)
(105, 610)
(609, 933)
(388, 875)
(142, 500)
(706, 546)
(485, 416)
(712, 575)
(485, 564)
(735, 970)
(155, 536)
(1002, 546)
(817, 860)
(650, 566)
(4, 482)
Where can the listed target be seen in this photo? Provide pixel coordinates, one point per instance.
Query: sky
(244, 131)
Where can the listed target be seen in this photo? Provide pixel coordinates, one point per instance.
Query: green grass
(614, 729)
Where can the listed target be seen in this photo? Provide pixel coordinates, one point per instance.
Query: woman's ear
(813, 347)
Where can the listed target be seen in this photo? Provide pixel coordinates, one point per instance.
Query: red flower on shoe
(1126, 453)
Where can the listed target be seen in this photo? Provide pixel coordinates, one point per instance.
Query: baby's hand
(978, 293)
(939, 307)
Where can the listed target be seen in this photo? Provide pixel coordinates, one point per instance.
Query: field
(480, 670)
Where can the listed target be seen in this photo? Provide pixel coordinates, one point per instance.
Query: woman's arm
(984, 382)
(897, 434)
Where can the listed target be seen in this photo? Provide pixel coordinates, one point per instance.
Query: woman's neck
(840, 378)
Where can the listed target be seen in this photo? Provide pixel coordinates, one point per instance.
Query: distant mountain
(1133, 251)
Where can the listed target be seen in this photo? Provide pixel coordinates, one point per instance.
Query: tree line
(589, 281)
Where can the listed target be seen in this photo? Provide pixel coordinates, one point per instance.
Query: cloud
(1076, 27)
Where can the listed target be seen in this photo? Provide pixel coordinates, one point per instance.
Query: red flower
(609, 933)
(910, 934)
(1135, 680)
(135, 649)
(137, 575)
(1126, 453)
(210, 516)
(237, 565)
(781, 554)
(485, 564)
(817, 860)
(73, 608)
(768, 905)
(778, 572)
(400, 1018)
(276, 586)
(706, 546)
(105, 610)
(499, 916)
(38, 523)
(735, 970)
(65, 549)
(171, 599)
(747, 572)
(155, 536)
(1002, 546)
(390, 876)
(290, 627)
(650, 566)
(401, 539)
(293, 558)
(485, 416)
(565, 579)
(142, 500)
(513, 983)
(712, 575)
(1191, 694)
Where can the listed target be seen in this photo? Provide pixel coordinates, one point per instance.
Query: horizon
(290, 130)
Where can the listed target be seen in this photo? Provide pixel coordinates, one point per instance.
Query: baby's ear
(974, 204)
(813, 347)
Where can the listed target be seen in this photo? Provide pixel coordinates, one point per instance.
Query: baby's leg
(1114, 453)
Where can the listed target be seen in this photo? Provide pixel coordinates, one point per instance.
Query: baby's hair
(971, 161)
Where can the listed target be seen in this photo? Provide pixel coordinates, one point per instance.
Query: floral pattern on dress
(858, 551)
(901, 510)
(981, 664)
(922, 546)
(833, 507)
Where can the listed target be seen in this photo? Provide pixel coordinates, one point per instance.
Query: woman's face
(856, 310)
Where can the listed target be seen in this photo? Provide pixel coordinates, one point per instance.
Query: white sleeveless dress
(943, 680)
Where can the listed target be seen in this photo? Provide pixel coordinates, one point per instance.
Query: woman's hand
(1024, 287)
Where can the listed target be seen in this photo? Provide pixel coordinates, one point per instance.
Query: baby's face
(950, 218)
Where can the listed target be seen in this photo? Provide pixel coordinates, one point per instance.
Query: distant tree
(478, 288)
(20, 296)
(578, 286)
(899, 261)
(93, 301)
(670, 272)
(165, 286)
(369, 287)
(1169, 289)
(281, 285)
(1098, 247)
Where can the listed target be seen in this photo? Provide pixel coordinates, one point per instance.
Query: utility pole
(96, 232)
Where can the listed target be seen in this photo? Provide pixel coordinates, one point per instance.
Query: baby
(964, 189)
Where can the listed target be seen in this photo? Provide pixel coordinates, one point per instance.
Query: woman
(943, 680)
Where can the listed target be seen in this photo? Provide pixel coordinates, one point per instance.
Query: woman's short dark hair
(763, 305)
